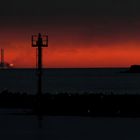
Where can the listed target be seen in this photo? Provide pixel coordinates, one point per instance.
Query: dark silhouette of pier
(66, 104)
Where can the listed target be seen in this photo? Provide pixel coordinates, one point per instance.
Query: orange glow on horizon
(78, 43)
(122, 55)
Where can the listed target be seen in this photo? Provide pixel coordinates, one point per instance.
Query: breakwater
(94, 105)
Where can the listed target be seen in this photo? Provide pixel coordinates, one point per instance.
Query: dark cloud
(64, 7)
(70, 22)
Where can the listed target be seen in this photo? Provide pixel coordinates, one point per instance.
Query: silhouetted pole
(39, 42)
(2, 57)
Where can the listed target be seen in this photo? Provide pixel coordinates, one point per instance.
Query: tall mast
(2, 57)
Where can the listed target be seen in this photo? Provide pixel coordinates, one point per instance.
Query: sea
(15, 125)
(20, 127)
(71, 80)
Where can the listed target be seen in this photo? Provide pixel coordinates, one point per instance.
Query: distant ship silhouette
(134, 69)
(3, 64)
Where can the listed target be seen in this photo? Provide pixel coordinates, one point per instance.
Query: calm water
(72, 80)
(19, 127)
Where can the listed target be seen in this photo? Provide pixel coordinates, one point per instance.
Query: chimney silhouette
(2, 57)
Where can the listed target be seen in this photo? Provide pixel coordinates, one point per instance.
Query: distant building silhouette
(3, 64)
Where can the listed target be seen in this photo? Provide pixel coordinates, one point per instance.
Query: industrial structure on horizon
(3, 64)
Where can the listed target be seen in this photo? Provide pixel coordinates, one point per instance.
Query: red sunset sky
(102, 34)
(74, 46)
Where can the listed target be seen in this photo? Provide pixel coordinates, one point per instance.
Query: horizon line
(65, 67)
